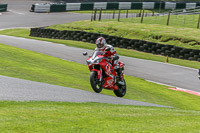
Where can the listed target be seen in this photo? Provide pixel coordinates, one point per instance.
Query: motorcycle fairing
(109, 83)
(109, 70)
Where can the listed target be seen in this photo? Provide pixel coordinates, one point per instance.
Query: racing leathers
(110, 53)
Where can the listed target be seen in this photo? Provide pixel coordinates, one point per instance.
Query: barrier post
(127, 14)
(140, 13)
(119, 15)
(114, 14)
(153, 13)
(95, 14)
(198, 22)
(168, 18)
(100, 14)
(142, 16)
(92, 16)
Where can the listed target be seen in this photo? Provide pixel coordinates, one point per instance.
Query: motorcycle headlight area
(97, 60)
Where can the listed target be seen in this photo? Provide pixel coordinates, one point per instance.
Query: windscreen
(96, 53)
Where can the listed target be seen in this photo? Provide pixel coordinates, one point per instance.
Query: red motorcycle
(103, 75)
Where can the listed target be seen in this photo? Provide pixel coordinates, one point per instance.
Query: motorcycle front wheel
(121, 90)
(94, 81)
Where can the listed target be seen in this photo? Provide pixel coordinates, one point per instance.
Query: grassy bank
(184, 21)
(131, 28)
(55, 117)
(125, 52)
(89, 117)
(34, 66)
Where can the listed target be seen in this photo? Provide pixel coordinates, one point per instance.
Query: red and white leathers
(110, 54)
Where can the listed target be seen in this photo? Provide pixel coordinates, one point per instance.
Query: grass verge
(177, 35)
(125, 52)
(93, 117)
(24, 64)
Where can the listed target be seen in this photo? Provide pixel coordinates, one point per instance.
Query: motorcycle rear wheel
(94, 81)
(121, 90)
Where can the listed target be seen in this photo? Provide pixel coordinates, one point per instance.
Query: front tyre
(121, 90)
(94, 81)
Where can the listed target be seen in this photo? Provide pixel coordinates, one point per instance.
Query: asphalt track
(24, 90)
(181, 77)
(18, 16)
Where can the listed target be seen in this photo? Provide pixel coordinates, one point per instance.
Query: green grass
(178, 35)
(189, 21)
(125, 52)
(59, 117)
(56, 117)
(38, 67)
(34, 66)
(184, 21)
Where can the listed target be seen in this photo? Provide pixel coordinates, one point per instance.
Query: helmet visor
(99, 45)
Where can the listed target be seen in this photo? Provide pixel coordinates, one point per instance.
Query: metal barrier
(111, 6)
(3, 7)
(41, 8)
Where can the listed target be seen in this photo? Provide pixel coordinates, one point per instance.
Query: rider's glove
(116, 57)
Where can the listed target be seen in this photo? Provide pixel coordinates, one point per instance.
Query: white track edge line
(172, 86)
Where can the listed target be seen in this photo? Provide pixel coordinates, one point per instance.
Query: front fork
(99, 73)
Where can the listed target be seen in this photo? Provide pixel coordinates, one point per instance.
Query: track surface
(18, 16)
(20, 90)
(178, 76)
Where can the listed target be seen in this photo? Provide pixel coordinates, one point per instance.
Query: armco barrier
(112, 6)
(191, 5)
(124, 5)
(42, 8)
(73, 6)
(3, 7)
(137, 5)
(100, 5)
(87, 6)
(140, 45)
(58, 8)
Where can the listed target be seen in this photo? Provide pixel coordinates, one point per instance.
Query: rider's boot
(119, 75)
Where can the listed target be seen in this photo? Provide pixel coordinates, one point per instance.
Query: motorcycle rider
(111, 54)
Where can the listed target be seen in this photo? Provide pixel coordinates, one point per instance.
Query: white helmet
(101, 43)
